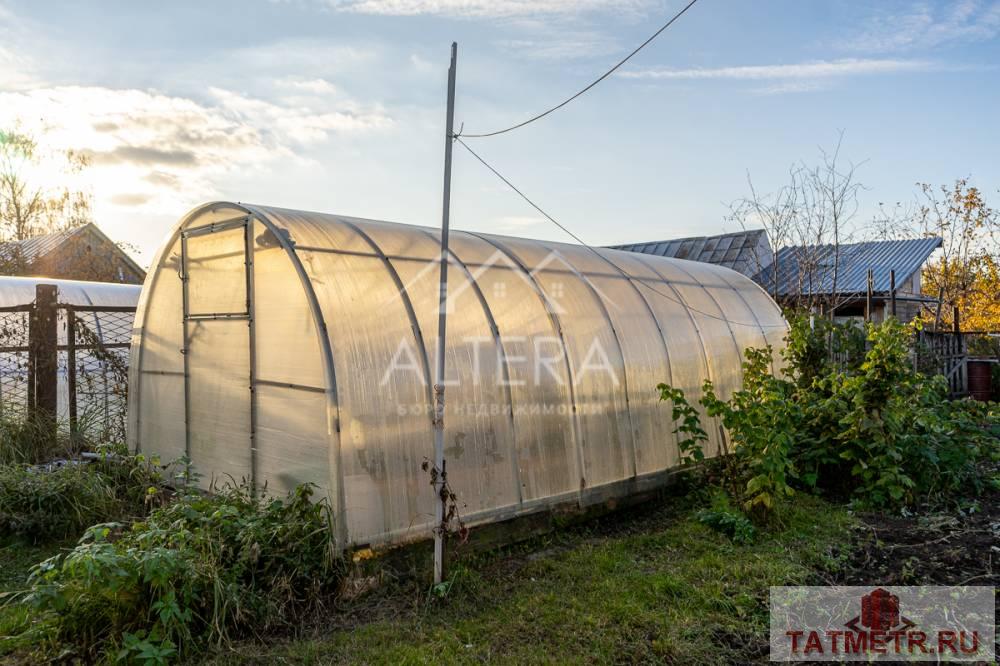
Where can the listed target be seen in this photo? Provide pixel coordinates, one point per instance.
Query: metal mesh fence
(14, 364)
(101, 373)
(91, 348)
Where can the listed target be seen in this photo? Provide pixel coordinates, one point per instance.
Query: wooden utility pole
(439, 380)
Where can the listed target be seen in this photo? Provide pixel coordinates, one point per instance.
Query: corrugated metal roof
(34, 248)
(810, 268)
(736, 250)
(38, 246)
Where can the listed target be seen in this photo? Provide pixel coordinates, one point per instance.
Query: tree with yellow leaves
(964, 273)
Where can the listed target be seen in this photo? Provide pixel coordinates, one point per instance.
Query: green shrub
(868, 425)
(691, 437)
(48, 503)
(200, 570)
(761, 418)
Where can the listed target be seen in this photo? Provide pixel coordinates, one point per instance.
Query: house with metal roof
(746, 252)
(821, 276)
(827, 276)
(80, 253)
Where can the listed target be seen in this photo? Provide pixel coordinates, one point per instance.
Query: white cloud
(791, 86)
(927, 26)
(815, 69)
(561, 46)
(150, 150)
(486, 8)
(314, 86)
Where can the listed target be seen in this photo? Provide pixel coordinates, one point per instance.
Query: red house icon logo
(880, 610)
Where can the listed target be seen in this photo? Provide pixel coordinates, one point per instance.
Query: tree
(964, 274)
(812, 214)
(30, 203)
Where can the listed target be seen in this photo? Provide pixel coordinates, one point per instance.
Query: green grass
(16, 559)
(659, 586)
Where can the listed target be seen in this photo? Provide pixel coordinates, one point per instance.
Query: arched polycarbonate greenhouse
(287, 347)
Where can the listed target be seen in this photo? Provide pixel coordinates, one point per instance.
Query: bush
(56, 502)
(200, 570)
(862, 424)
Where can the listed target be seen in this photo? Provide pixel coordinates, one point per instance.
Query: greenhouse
(285, 347)
(64, 352)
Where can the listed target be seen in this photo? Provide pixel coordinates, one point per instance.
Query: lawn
(650, 585)
(16, 560)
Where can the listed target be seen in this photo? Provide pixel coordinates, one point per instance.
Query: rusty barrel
(980, 386)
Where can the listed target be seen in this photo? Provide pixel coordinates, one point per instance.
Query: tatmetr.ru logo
(882, 624)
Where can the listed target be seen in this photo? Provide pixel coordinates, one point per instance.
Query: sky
(339, 105)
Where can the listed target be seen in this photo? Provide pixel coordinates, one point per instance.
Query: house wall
(87, 256)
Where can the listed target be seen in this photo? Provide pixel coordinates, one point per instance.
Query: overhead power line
(604, 258)
(591, 85)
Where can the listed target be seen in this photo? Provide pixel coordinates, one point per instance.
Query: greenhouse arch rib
(329, 371)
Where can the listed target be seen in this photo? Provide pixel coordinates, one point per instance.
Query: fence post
(868, 297)
(43, 357)
(71, 371)
(892, 291)
(962, 383)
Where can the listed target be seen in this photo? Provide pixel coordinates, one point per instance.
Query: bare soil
(957, 546)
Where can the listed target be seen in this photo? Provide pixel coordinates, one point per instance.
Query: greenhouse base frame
(497, 530)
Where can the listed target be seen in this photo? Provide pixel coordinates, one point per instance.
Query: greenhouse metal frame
(268, 341)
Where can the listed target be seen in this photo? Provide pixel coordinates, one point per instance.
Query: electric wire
(591, 85)
(621, 270)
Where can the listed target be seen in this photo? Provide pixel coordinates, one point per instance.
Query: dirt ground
(959, 546)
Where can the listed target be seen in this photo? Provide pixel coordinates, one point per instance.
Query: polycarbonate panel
(596, 363)
(689, 362)
(741, 317)
(382, 385)
(478, 438)
(161, 422)
(291, 439)
(646, 362)
(216, 272)
(724, 354)
(767, 313)
(543, 426)
(16, 290)
(287, 341)
(219, 386)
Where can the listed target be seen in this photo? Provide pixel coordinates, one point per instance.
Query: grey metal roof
(735, 250)
(810, 269)
(36, 247)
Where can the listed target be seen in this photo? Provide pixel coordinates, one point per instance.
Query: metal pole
(439, 462)
(248, 248)
(71, 371)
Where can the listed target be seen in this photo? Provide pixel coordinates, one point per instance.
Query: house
(819, 276)
(745, 252)
(80, 253)
(826, 276)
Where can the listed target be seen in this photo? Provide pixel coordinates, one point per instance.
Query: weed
(52, 502)
(200, 570)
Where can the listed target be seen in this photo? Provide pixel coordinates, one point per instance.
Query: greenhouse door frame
(248, 314)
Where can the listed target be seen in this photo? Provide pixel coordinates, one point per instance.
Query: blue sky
(338, 105)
